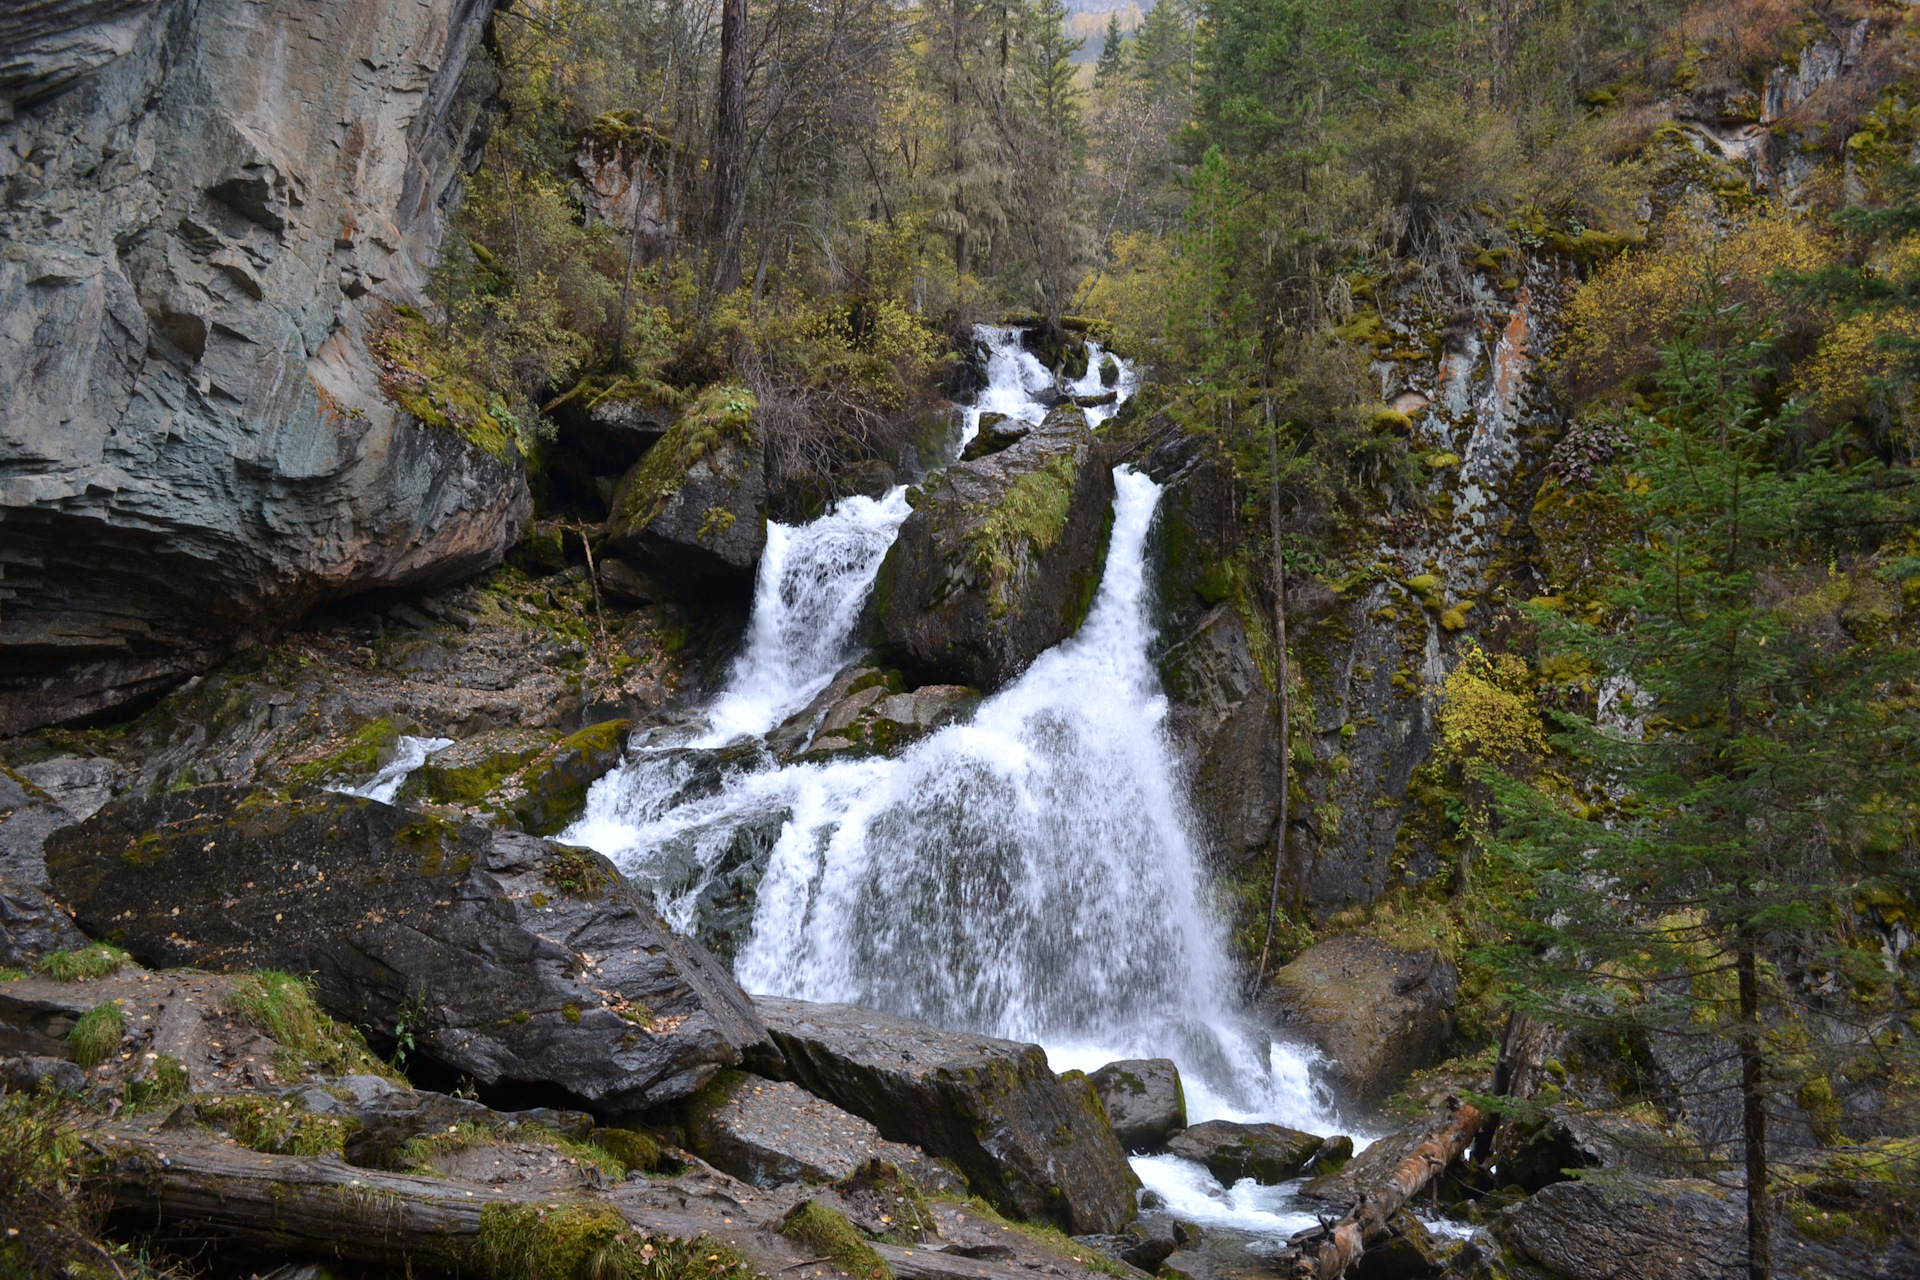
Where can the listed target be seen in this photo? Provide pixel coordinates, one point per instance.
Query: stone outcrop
(770, 1132)
(207, 204)
(1144, 1101)
(1377, 1012)
(35, 801)
(1268, 1153)
(696, 505)
(1032, 1143)
(507, 958)
(1001, 557)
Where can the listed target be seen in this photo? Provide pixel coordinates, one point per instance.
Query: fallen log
(276, 1202)
(1326, 1251)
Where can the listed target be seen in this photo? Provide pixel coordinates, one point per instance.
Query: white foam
(386, 784)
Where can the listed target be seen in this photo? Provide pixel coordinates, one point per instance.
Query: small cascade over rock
(1030, 873)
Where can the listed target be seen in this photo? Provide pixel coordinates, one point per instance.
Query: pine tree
(1764, 766)
(1113, 50)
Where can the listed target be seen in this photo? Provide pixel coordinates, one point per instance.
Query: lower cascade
(1030, 873)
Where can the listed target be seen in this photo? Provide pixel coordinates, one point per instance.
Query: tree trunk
(957, 162)
(730, 146)
(1753, 1115)
(1286, 701)
(1325, 1252)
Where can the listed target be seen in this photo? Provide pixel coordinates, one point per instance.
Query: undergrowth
(278, 1126)
(49, 1220)
(282, 1005)
(97, 1034)
(98, 960)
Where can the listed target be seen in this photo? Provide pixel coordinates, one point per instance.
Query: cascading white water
(813, 581)
(1030, 873)
(385, 785)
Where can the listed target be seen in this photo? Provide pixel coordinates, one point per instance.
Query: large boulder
(506, 958)
(1144, 1101)
(770, 1132)
(1001, 557)
(1268, 1153)
(1377, 1012)
(696, 505)
(36, 800)
(1031, 1142)
(208, 207)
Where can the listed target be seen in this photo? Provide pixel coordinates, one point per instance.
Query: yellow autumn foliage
(1488, 712)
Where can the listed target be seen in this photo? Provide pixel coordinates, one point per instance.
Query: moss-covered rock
(555, 786)
(466, 773)
(1268, 1153)
(696, 504)
(998, 560)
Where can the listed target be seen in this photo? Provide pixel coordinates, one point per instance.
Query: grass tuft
(282, 1005)
(278, 1126)
(97, 1034)
(166, 1084)
(99, 960)
(826, 1231)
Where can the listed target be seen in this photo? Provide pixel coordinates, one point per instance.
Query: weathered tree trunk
(730, 146)
(1753, 1115)
(1325, 1253)
(1524, 1049)
(277, 1202)
(1285, 681)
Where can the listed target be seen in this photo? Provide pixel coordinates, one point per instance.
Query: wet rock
(513, 959)
(874, 719)
(1144, 1101)
(1145, 1243)
(554, 789)
(191, 275)
(1377, 1012)
(696, 505)
(770, 1132)
(1268, 1153)
(35, 1017)
(1410, 1252)
(1030, 1142)
(997, 432)
(466, 773)
(1001, 557)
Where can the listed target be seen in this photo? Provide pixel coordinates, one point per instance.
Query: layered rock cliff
(205, 203)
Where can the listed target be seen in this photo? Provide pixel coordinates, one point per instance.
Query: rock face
(34, 802)
(1144, 1101)
(1268, 1153)
(1377, 1012)
(207, 204)
(1001, 557)
(770, 1132)
(696, 505)
(510, 959)
(1031, 1143)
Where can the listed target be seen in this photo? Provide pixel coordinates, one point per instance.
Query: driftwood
(278, 1202)
(1325, 1252)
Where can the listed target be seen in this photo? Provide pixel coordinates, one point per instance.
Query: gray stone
(696, 505)
(29, 1073)
(207, 205)
(1144, 1101)
(512, 959)
(1030, 1142)
(969, 599)
(770, 1132)
(1377, 1012)
(1268, 1153)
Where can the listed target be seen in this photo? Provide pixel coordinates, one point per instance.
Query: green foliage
(49, 1218)
(96, 1034)
(165, 1084)
(283, 1006)
(95, 960)
(826, 1231)
(422, 373)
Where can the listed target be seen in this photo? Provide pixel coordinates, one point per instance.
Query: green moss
(97, 1034)
(419, 1154)
(1024, 523)
(165, 1083)
(99, 960)
(575, 872)
(282, 1005)
(429, 380)
(466, 774)
(827, 1232)
(633, 1149)
(719, 416)
(279, 1126)
(590, 1240)
(359, 758)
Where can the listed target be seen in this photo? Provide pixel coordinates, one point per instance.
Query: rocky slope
(205, 204)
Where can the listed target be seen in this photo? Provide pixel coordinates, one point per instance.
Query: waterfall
(1030, 874)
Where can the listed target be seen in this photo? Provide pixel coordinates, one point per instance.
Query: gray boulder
(770, 1132)
(1268, 1153)
(1144, 1101)
(508, 958)
(1001, 557)
(696, 505)
(29, 1073)
(1379, 1013)
(208, 206)
(1030, 1142)
(36, 800)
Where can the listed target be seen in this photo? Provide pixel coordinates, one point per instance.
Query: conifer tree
(1113, 49)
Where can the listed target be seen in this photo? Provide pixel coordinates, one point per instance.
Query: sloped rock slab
(1378, 1012)
(1268, 1153)
(1144, 1101)
(1000, 558)
(771, 1132)
(1032, 1143)
(515, 959)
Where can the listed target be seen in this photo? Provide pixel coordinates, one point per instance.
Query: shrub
(48, 1218)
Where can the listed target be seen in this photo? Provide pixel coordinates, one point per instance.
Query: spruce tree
(1113, 49)
(1759, 772)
